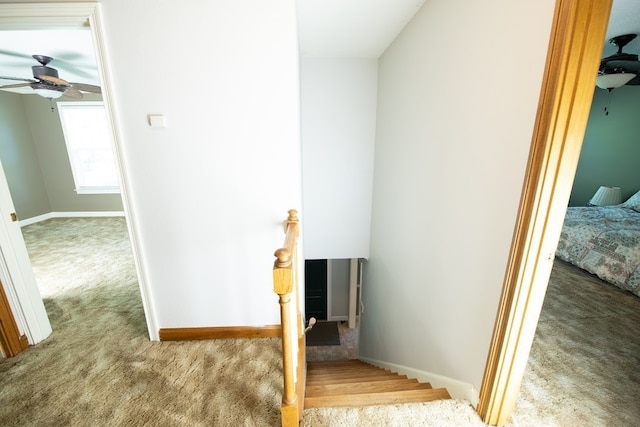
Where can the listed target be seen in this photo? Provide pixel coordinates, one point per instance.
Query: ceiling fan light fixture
(49, 93)
(614, 80)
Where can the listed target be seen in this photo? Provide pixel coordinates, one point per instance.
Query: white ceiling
(351, 28)
(71, 50)
(624, 19)
(328, 28)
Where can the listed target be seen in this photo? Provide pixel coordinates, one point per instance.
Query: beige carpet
(348, 348)
(584, 366)
(99, 368)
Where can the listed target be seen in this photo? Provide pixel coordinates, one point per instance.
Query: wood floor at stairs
(356, 383)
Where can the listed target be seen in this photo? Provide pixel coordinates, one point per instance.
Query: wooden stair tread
(347, 364)
(370, 399)
(348, 383)
(345, 368)
(366, 387)
(356, 379)
(349, 374)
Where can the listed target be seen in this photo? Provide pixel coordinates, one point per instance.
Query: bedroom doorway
(69, 15)
(578, 29)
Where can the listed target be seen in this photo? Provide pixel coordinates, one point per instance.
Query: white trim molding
(50, 215)
(33, 16)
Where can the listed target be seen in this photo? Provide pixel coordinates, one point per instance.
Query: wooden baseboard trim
(221, 332)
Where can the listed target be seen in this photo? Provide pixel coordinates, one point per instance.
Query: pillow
(633, 202)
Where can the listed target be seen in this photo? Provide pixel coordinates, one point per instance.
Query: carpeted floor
(323, 333)
(99, 368)
(584, 365)
(348, 348)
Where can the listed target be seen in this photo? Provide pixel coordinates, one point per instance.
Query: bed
(605, 241)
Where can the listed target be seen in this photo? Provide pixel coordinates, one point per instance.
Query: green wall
(19, 159)
(34, 156)
(611, 149)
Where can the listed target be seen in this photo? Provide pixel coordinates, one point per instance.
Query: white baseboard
(338, 318)
(457, 389)
(44, 217)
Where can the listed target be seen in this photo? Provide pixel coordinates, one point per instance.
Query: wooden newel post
(283, 286)
(284, 277)
(293, 217)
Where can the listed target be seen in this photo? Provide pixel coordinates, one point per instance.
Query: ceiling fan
(47, 84)
(621, 68)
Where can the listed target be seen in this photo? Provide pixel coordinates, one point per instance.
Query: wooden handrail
(285, 284)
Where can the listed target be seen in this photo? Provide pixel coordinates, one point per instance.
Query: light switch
(157, 121)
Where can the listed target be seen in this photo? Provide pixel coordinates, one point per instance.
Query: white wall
(208, 192)
(457, 98)
(338, 109)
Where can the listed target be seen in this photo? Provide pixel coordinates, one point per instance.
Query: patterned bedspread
(605, 241)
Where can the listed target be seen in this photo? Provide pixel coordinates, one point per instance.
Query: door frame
(12, 341)
(32, 16)
(25, 314)
(578, 30)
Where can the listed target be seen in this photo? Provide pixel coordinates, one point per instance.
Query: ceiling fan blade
(634, 81)
(55, 80)
(17, 78)
(620, 57)
(75, 67)
(87, 87)
(628, 66)
(72, 92)
(15, 85)
(14, 54)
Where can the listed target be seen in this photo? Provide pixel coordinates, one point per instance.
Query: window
(88, 138)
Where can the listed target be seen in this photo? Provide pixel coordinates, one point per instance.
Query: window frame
(80, 186)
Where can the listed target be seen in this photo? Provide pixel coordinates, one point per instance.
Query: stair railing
(286, 285)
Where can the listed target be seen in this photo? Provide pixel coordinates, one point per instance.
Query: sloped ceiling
(352, 28)
(625, 19)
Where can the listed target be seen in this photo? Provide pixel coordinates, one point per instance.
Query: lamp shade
(612, 81)
(606, 196)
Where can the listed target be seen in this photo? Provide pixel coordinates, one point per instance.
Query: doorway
(576, 41)
(315, 284)
(68, 15)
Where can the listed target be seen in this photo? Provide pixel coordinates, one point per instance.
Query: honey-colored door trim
(577, 36)
(11, 341)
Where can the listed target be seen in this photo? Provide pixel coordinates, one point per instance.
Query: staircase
(356, 383)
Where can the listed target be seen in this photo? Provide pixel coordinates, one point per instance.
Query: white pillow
(633, 202)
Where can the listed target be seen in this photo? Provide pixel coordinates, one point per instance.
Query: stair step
(347, 383)
(365, 387)
(359, 373)
(337, 363)
(370, 399)
(342, 368)
(328, 379)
